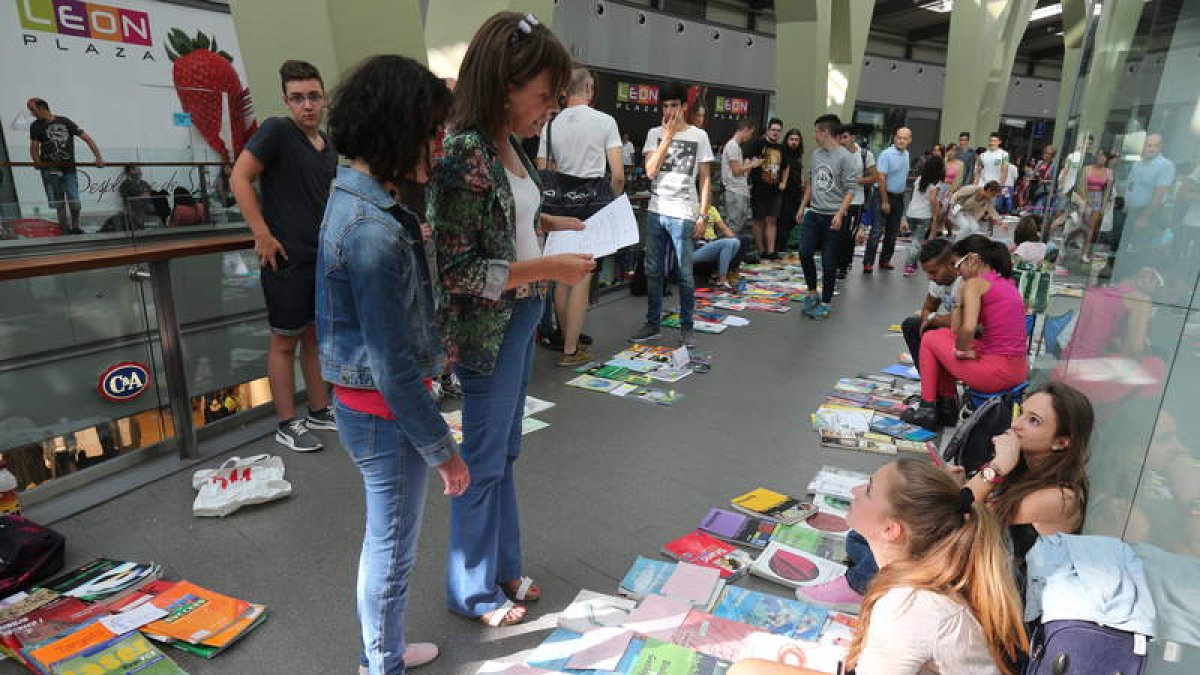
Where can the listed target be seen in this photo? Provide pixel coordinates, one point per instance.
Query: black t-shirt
(57, 138)
(294, 185)
(772, 167)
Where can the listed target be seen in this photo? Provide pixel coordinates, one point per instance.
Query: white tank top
(527, 199)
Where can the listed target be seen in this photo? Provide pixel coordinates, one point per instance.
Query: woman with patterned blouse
(484, 206)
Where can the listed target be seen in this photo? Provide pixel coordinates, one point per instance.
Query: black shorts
(291, 295)
(765, 202)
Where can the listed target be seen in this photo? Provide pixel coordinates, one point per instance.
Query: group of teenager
(426, 250)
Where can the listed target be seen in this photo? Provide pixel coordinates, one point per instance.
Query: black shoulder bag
(567, 195)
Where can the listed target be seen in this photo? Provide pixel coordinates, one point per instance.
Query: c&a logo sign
(86, 20)
(124, 382)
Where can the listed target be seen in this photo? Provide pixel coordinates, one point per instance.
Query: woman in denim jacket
(377, 342)
(484, 208)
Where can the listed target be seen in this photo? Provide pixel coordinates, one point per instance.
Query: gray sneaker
(646, 333)
(687, 337)
(321, 419)
(294, 434)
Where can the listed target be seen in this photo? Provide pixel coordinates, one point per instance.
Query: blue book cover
(772, 613)
(557, 649)
(901, 370)
(898, 429)
(646, 576)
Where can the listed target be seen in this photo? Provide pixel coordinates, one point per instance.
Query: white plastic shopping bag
(238, 482)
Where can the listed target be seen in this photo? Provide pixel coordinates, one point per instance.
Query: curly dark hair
(385, 111)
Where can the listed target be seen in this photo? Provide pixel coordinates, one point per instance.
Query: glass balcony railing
(113, 203)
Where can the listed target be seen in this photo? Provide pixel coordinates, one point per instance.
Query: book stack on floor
(634, 372)
(529, 423)
(689, 617)
(106, 616)
(863, 413)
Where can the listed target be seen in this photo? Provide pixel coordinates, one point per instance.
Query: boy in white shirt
(677, 154)
(992, 165)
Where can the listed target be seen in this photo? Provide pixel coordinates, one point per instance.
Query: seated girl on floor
(944, 600)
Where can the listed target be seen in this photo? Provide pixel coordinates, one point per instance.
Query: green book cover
(809, 540)
(123, 655)
(664, 658)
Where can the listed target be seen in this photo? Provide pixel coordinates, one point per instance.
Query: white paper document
(612, 227)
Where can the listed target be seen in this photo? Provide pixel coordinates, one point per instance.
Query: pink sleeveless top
(1097, 183)
(1002, 315)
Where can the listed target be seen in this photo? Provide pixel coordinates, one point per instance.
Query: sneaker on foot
(835, 595)
(867, 269)
(321, 419)
(687, 337)
(646, 333)
(909, 270)
(841, 275)
(810, 301)
(294, 434)
(820, 312)
(886, 266)
(580, 357)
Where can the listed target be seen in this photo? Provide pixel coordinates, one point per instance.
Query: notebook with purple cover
(737, 528)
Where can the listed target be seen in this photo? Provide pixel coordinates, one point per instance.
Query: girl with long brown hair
(1036, 484)
(944, 600)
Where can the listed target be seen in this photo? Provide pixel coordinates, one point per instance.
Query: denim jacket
(473, 214)
(375, 307)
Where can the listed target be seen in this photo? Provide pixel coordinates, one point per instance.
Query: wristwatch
(991, 474)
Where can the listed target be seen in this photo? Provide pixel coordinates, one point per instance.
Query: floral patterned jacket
(473, 215)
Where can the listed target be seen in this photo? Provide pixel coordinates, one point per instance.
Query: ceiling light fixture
(939, 6)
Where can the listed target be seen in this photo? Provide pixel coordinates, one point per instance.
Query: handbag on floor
(28, 553)
(1083, 648)
(237, 483)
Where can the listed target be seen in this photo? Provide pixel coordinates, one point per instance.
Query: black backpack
(28, 553)
(971, 445)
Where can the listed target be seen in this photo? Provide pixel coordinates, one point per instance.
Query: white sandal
(522, 592)
(499, 617)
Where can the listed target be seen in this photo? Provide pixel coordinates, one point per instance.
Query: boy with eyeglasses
(294, 163)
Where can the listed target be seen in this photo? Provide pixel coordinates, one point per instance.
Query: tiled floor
(609, 479)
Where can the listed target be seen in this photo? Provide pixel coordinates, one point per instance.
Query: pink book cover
(712, 635)
(658, 617)
(602, 649)
(692, 582)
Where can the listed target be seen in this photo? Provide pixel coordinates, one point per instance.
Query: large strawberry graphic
(203, 76)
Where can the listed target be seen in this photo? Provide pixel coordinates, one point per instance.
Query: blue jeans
(920, 230)
(887, 226)
(862, 568)
(485, 530)
(394, 477)
(720, 251)
(61, 187)
(659, 230)
(815, 233)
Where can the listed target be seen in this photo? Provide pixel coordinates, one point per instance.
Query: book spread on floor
(824, 544)
(737, 528)
(658, 616)
(837, 481)
(800, 653)
(103, 579)
(128, 654)
(556, 651)
(771, 505)
(795, 568)
(706, 550)
(712, 635)
(590, 610)
(772, 613)
(663, 658)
